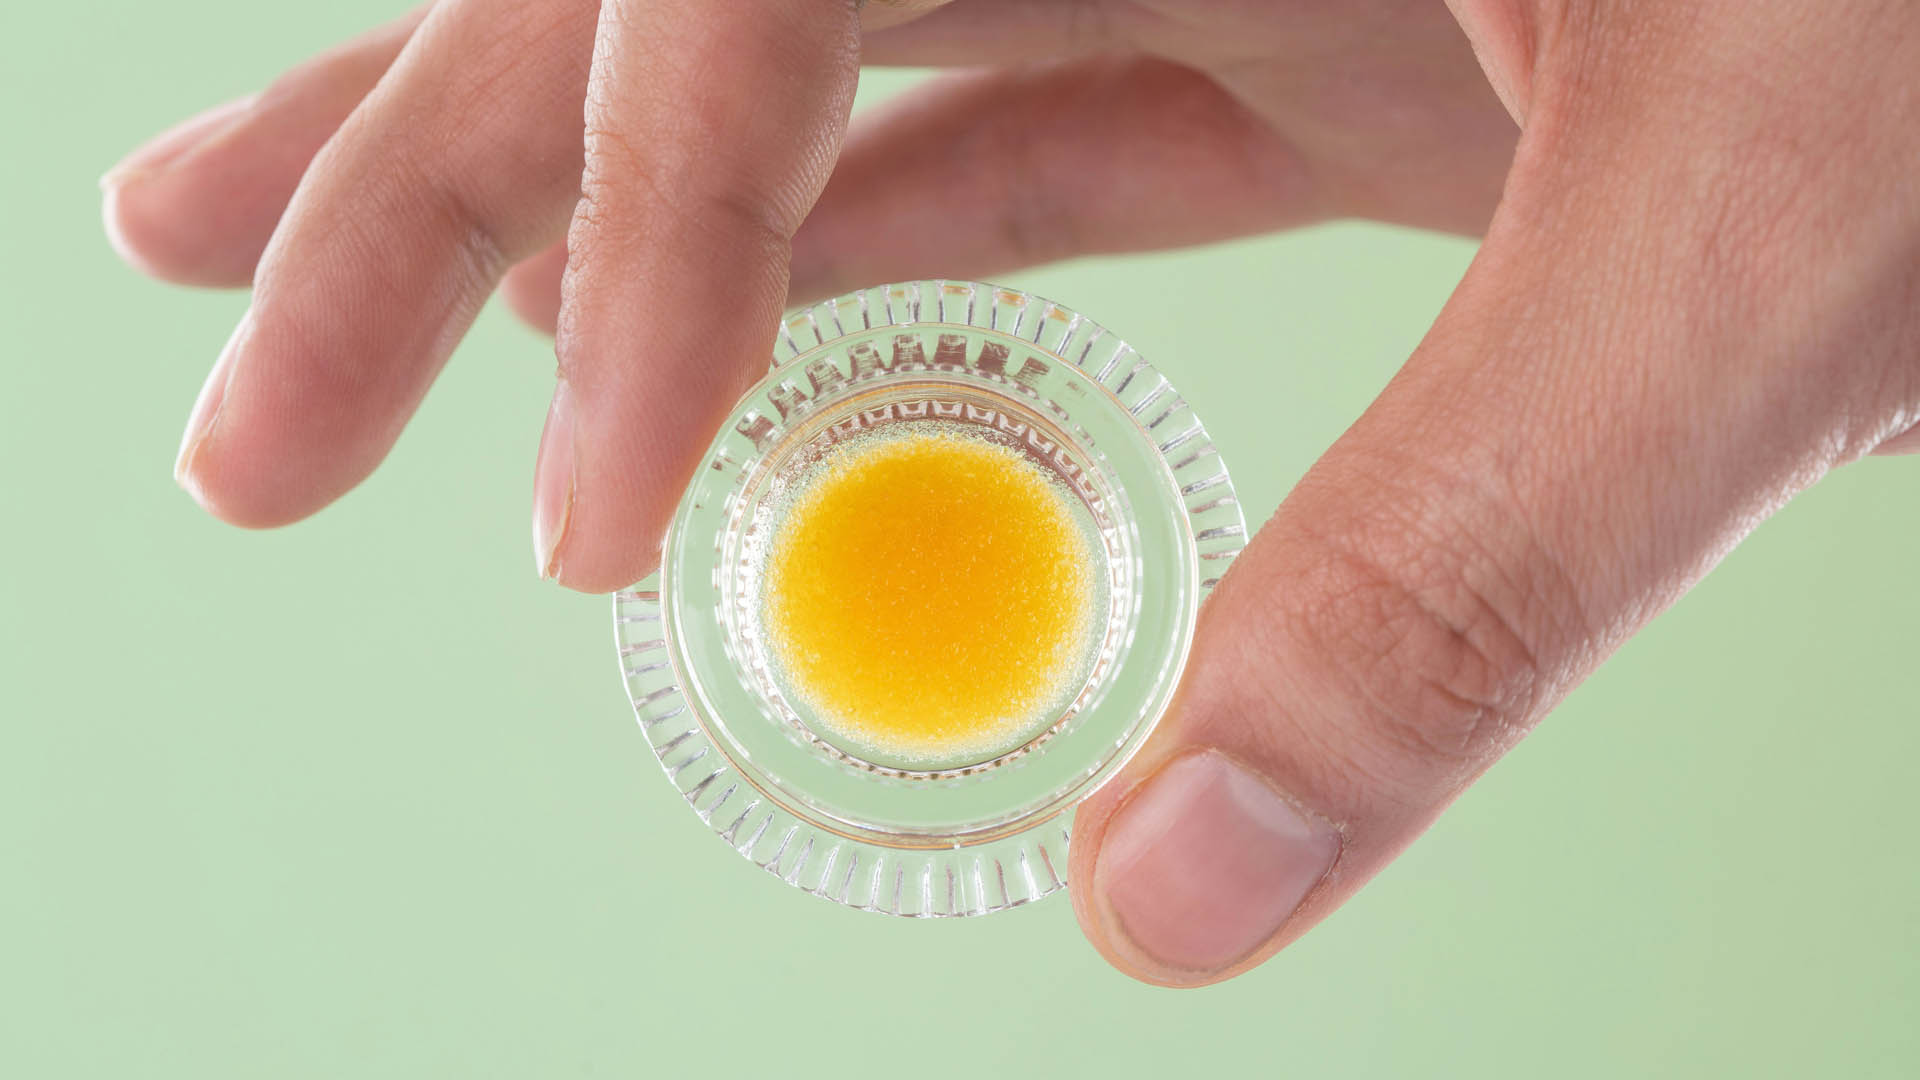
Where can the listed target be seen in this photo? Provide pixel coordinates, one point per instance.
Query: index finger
(710, 131)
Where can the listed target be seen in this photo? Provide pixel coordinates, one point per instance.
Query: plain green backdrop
(362, 797)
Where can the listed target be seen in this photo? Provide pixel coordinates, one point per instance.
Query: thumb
(1578, 439)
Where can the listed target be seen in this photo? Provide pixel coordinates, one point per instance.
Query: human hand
(1698, 293)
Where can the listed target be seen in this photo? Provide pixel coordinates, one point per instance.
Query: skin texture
(1699, 292)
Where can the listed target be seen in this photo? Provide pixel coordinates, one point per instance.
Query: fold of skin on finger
(977, 173)
(711, 131)
(202, 212)
(465, 158)
(1575, 443)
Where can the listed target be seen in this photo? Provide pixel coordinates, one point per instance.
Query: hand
(1699, 291)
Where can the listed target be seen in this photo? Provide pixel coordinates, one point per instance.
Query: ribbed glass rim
(686, 689)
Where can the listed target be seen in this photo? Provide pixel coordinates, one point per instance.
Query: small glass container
(981, 831)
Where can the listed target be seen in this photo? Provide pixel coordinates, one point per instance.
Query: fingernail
(206, 408)
(170, 146)
(553, 483)
(1205, 861)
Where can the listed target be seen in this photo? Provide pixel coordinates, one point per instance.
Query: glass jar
(986, 831)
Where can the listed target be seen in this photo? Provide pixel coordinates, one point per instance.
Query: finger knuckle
(1434, 644)
(627, 203)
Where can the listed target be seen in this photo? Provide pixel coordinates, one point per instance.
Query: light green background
(363, 798)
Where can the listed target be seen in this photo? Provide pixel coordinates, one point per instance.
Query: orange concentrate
(930, 594)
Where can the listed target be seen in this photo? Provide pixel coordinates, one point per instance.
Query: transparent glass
(952, 837)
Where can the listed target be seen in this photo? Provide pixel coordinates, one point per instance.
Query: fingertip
(273, 437)
(1090, 906)
(1196, 869)
(248, 487)
(588, 557)
(647, 391)
(236, 492)
(596, 543)
(234, 489)
(124, 231)
(615, 461)
(156, 215)
(235, 508)
(601, 579)
(151, 230)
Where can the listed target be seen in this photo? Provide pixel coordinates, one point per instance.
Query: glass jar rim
(936, 849)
